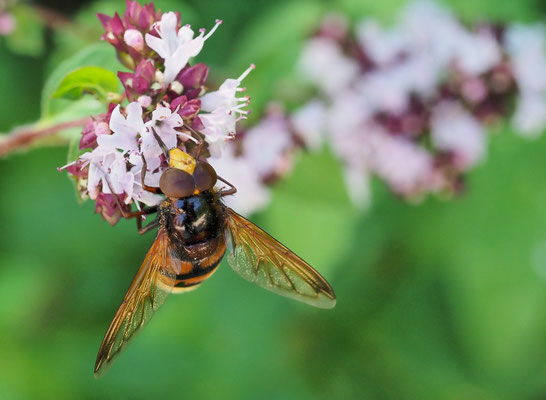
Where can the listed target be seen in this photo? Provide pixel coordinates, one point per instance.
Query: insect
(194, 230)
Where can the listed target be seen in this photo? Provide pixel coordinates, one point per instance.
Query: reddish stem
(23, 138)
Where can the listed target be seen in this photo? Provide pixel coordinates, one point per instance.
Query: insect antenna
(200, 142)
(162, 144)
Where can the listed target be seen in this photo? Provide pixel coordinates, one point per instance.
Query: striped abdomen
(196, 231)
(203, 259)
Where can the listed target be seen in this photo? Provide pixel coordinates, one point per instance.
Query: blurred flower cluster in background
(412, 104)
(366, 117)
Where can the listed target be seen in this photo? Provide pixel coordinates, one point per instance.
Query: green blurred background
(440, 300)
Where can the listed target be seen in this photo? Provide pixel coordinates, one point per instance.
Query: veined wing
(151, 285)
(259, 258)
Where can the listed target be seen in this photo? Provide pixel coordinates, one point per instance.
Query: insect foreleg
(231, 190)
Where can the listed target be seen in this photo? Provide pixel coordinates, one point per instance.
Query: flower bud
(144, 101)
(134, 38)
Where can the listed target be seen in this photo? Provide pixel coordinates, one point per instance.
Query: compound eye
(176, 183)
(204, 176)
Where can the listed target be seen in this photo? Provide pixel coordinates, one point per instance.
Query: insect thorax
(194, 219)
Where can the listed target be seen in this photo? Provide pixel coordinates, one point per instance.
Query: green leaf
(93, 80)
(56, 110)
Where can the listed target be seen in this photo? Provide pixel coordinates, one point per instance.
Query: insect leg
(142, 230)
(200, 140)
(231, 190)
(138, 215)
(143, 175)
(125, 214)
(144, 211)
(162, 144)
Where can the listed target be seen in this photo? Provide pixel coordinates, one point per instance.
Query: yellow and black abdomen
(194, 271)
(196, 230)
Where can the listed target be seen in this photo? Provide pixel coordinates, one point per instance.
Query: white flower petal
(157, 44)
(323, 63)
(530, 116)
(357, 180)
(455, 129)
(252, 195)
(266, 144)
(163, 122)
(176, 48)
(125, 130)
(309, 123)
(225, 109)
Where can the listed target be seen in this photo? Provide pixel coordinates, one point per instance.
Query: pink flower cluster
(412, 104)
(166, 97)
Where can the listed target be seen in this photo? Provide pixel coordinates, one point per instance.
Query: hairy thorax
(194, 224)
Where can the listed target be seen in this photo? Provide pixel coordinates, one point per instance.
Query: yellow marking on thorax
(181, 160)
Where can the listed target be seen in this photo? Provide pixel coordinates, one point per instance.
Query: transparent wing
(151, 285)
(261, 259)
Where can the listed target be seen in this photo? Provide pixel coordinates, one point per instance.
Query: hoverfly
(195, 229)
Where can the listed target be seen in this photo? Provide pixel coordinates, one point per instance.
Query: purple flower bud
(126, 33)
(104, 20)
(106, 206)
(90, 132)
(146, 69)
(144, 75)
(127, 79)
(134, 15)
(193, 77)
(96, 127)
(187, 109)
(192, 93)
(114, 31)
(116, 26)
(141, 17)
(89, 137)
(179, 101)
(191, 109)
(197, 124)
(138, 83)
(77, 170)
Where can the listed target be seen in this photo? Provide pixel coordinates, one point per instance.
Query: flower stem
(21, 138)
